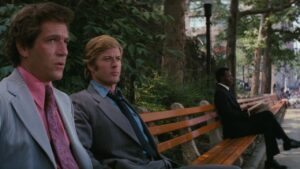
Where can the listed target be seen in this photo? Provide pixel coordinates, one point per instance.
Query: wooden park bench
(184, 125)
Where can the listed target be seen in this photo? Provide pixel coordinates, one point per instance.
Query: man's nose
(62, 49)
(115, 61)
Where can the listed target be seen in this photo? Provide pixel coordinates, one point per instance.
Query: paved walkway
(291, 125)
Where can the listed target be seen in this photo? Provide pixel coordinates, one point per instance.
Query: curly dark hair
(26, 26)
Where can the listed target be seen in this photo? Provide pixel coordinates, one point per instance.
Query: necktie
(122, 104)
(59, 144)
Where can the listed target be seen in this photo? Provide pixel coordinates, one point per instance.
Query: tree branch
(267, 10)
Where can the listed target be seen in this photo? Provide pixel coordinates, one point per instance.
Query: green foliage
(220, 11)
(247, 41)
(241, 57)
(5, 70)
(136, 25)
(158, 93)
(5, 12)
(282, 33)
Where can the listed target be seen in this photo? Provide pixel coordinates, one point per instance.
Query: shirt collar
(225, 86)
(35, 86)
(103, 91)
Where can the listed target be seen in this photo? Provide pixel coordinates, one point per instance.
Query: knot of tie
(116, 96)
(49, 97)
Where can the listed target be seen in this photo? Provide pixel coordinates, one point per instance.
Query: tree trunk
(267, 60)
(231, 38)
(267, 67)
(257, 59)
(243, 69)
(255, 76)
(265, 55)
(173, 59)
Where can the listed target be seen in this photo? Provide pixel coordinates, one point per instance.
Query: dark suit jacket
(235, 122)
(107, 134)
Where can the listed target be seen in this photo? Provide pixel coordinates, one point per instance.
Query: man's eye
(51, 40)
(66, 41)
(107, 58)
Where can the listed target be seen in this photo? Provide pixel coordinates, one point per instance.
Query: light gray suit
(109, 138)
(24, 143)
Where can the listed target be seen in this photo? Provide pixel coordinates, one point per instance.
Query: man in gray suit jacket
(111, 131)
(37, 129)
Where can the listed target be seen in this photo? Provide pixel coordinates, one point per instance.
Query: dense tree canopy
(140, 26)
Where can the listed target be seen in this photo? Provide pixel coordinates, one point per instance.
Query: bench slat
(228, 151)
(154, 116)
(225, 152)
(242, 101)
(206, 157)
(187, 137)
(276, 108)
(246, 143)
(246, 103)
(156, 130)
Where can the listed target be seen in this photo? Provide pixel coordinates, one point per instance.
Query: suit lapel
(233, 100)
(26, 110)
(146, 131)
(68, 122)
(230, 95)
(113, 113)
(65, 114)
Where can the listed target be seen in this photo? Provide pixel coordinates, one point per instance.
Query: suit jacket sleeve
(85, 132)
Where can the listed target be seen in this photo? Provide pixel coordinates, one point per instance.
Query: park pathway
(291, 125)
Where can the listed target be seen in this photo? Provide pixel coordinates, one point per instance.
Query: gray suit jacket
(24, 143)
(107, 134)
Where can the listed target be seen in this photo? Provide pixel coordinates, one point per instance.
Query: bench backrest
(172, 120)
(199, 121)
(267, 99)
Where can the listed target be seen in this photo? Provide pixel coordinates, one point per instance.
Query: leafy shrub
(158, 93)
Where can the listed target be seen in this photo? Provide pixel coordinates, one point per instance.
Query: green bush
(158, 93)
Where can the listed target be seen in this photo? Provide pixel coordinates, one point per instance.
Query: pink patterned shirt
(37, 91)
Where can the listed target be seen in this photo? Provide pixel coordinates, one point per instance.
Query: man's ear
(23, 51)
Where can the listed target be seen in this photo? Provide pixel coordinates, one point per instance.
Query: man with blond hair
(108, 126)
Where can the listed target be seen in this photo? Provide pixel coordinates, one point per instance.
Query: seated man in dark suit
(237, 122)
(108, 126)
